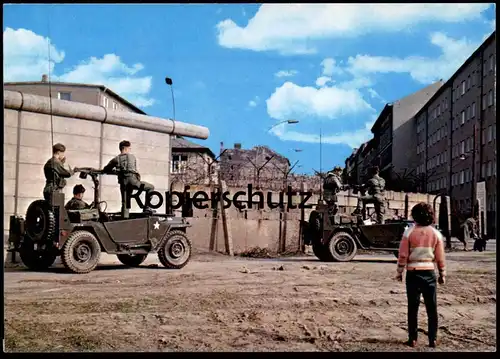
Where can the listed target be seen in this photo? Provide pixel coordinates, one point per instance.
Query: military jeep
(79, 236)
(338, 237)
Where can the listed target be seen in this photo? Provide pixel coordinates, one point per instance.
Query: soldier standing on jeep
(376, 195)
(56, 171)
(331, 186)
(125, 164)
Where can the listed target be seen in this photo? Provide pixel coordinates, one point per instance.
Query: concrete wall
(89, 142)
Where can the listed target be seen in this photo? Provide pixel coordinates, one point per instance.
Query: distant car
(79, 237)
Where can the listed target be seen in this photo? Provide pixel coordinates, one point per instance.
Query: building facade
(259, 165)
(456, 136)
(97, 95)
(192, 164)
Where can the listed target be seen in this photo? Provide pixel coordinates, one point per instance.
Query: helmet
(337, 169)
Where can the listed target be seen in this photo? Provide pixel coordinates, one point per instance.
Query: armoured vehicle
(338, 237)
(79, 237)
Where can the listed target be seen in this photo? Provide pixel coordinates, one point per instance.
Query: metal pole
(320, 164)
(473, 189)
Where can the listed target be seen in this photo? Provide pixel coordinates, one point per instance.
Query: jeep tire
(175, 250)
(81, 252)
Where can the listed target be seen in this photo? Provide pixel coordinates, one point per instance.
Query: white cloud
(422, 69)
(26, 59)
(291, 100)
(330, 68)
(254, 102)
(285, 73)
(322, 81)
(375, 95)
(352, 139)
(290, 28)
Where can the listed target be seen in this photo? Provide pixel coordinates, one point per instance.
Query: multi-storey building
(259, 165)
(192, 163)
(97, 95)
(394, 135)
(456, 135)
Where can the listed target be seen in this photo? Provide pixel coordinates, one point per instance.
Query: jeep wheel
(342, 247)
(132, 260)
(35, 260)
(175, 250)
(322, 252)
(81, 252)
(40, 221)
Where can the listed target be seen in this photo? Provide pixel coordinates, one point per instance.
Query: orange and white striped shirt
(420, 249)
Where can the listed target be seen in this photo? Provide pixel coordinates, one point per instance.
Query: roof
(180, 144)
(383, 114)
(101, 87)
(449, 83)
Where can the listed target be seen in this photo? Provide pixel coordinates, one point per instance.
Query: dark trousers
(421, 282)
(127, 187)
(378, 204)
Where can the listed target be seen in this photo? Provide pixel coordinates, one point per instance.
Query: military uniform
(128, 177)
(331, 186)
(55, 173)
(76, 204)
(376, 194)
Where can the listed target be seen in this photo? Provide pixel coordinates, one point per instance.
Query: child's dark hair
(124, 144)
(423, 214)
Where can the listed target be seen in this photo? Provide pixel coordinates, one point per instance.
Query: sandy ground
(218, 303)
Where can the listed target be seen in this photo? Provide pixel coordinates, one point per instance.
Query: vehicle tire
(322, 252)
(175, 251)
(132, 260)
(40, 221)
(35, 260)
(81, 252)
(342, 247)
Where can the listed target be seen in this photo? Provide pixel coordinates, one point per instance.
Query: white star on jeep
(156, 225)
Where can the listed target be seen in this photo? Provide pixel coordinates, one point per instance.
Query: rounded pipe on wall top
(15, 100)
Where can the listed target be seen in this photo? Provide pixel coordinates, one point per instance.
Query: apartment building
(192, 163)
(456, 134)
(394, 135)
(97, 95)
(239, 167)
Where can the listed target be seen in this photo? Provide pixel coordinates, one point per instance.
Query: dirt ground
(221, 304)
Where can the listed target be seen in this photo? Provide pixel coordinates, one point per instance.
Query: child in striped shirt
(422, 248)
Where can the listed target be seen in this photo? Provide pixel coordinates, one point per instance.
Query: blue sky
(239, 69)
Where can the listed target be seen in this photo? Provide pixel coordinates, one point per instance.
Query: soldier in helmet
(56, 171)
(331, 186)
(77, 202)
(375, 188)
(125, 164)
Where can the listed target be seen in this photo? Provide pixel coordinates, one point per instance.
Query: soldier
(376, 195)
(125, 164)
(56, 171)
(331, 186)
(77, 202)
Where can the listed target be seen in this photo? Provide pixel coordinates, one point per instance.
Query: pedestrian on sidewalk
(421, 248)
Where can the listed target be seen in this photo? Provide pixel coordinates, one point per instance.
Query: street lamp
(290, 122)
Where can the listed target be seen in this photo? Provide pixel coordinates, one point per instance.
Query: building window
(491, 62)
(485, 68)
(462, 118)
(474, 78)
(115, 106)
(462, 177)
(179, 163)
(104, 101)
(463, 88)
(490, 133)
(469, 116)
(483, 136)
(469, 82)
(446, 103)
(66, 96)
(473, 110)
(494, 131)
(490, 98)
(439, 110)
(483, 170)
(488, 169)
(484, 102)
(462, 147)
